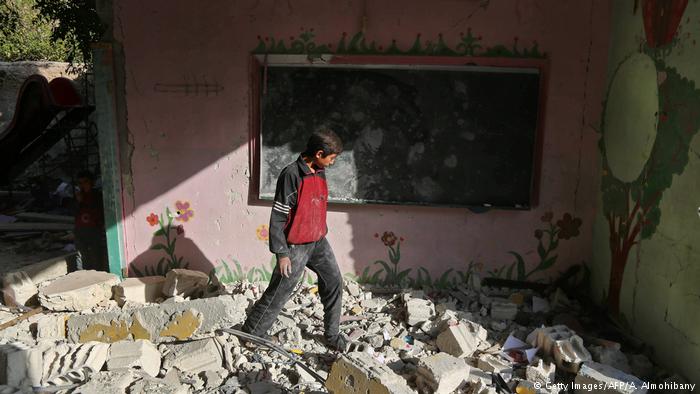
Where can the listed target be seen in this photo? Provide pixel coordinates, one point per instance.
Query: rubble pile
(95, 333)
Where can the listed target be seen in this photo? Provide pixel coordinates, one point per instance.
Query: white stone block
(139, 290)
(441, 373)
(185, 283)
(140, 354)
(77, 291)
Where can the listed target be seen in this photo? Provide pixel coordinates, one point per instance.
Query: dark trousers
(318, 256)
(91, 243)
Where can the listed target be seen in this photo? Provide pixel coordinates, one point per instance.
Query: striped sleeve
(283, 204)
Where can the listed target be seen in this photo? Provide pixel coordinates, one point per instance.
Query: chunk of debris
(503, 310)
(108, 382)
(62, 362)
(611, 380)
(139, 290)
(20, 287)
(419, 311)
(52, 326)
(360, 373)
(570, 353)
(77, 291)
(542, 373)
(611, 356)
(461, 340)
(441, 373)
(185, 283)
(193, 357)
(563, 344)
(139, 354)
(20, 365)
(491, 363)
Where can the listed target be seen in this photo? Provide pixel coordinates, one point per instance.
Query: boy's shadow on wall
(157, 261)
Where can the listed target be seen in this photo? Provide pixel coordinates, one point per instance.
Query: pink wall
(195, 147)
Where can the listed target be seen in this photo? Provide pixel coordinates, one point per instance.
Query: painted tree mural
(651, 116)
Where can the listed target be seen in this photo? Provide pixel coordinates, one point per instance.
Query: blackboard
(424, 135)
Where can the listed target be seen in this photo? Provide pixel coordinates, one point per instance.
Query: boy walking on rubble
(298, 238)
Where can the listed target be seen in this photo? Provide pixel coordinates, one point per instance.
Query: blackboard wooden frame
(258, 62)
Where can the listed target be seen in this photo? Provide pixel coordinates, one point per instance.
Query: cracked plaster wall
(660, 297)
(193, 146)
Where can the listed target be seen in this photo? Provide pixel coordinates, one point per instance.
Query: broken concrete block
(18, 289)
(373, 304)
(476, 375)
(419, 311)
(160, 323)
(570, 353)
(503, 310)
(545, 337)
(20, 365)
(77, 291)
(599, 378)
(139, 354)
(160, 386)
(353, 288)
(491, 363)
(139, 290)
(611, 356)
(64, 361)
(441, 373)
(108, 382)
(193, 357)
(185, 283)
(461, 340)
(51, 326)
(542, 373)
(563, 344)
(360, 373)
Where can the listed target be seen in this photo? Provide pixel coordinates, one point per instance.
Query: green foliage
(547, 242)
(24, 35)
(226, 275)
(76, 24)
(388, 274)
(632, 208)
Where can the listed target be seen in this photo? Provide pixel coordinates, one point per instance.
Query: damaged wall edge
(105, 100)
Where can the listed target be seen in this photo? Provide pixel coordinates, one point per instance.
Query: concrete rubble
(596, 377)
(184, 282)
(161, 335)
(139, 290)
(77, 291)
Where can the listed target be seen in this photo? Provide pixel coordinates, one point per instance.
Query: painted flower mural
(169, 240)
(263, 232)
(547, 242)
(152, 219)
(184, 211)
(230, 273)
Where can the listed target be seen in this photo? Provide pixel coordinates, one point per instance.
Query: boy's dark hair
(86, 174)
(323, 139)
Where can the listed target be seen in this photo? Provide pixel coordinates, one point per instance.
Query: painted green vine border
(468, 45)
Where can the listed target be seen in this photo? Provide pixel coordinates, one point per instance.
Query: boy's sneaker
(337, 343)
